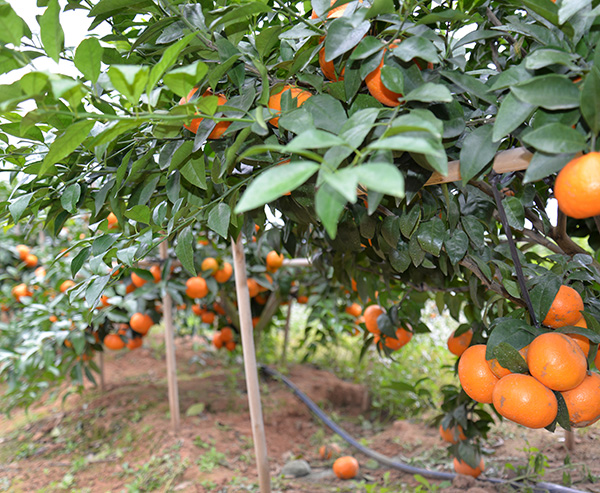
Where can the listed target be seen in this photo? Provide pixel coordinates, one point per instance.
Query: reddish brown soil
(120, 438)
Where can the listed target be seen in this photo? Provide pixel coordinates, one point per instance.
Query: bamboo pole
(569, 440)
(170, 348)
(256, 417)
(286, 333)
(101, 366)
(516, 159)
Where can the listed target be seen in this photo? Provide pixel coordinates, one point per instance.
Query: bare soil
(120, 439)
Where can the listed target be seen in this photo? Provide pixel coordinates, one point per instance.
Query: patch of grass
(211, 460)
(157, 474)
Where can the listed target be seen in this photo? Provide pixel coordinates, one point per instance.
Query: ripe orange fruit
(156, 273)
(198, 310)
(499, 370)
(134, 343)
(450, 434)
(137, 281)
(328, 451)
(23, 251)
(20, 290)
(230, 345)
(113, 222)
(376, 87)
(224, 273)
(371, 314)
(53, 318)
(475, 376)
(217, 341)
(354, 309)
(457, 345)
(210, 263)
(566, 308)
(141, 322)
(345, 467)
(226, 334)
(582, 341)
(524, 400)
(196, 287)
(463, 468)
(104, 300)
(255, 321)
(40, 272)
(220, 127)
(577, 187)
(208, 317)
(218, 308)
(583, 402)
(114, 342)
(328, 68)
(275, 100)
(597, 360)
(394, 343)
(68, 284)
(303, 300)
(31, 260)
(557, 361)
(253, 287)
(130, 288)
(274, 261)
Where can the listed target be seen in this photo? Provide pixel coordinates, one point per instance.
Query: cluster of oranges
(224, 339)
(556, 362)
(28, 258)
(402, 336)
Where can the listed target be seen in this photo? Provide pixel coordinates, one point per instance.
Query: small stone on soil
(296, 469)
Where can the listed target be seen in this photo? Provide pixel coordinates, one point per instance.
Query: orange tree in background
(345, 161)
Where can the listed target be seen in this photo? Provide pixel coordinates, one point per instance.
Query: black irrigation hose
(389, 462)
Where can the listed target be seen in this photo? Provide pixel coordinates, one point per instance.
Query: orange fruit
(104, 300)
(53, 318)
(134, 343)
(328, 68)
(224, 273)
(452, 434)
(274, 261)
(275, 100)
(230, 345)
(475, 376)
(328, 451)
(582, 341)
(583, 402)
(457, 345)
(353, 285)
(208, 317)
(566, 308)
(597, 360)
(196, 287)
(130, 288)
(499, 370)
(40, 272)
(354, 309)
(113, 222)
(20, 290)
(210, 263)
(198, 310)
(217, 341)
(220, 127)
(577, 187)
(463, 468)
(303, 300)
(23, 251)
(31, 260)
(218, 308)
(557, 361)
(137, 281)
(68, 284)
(524, 400)
(141, 322)
(378, 89)
(253, 287)
(394, 343)
(371, 314)
(255, 321)
(156, 273)
(345, 467)
(114, 342)
(226, 334)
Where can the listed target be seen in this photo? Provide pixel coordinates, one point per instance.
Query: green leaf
(344, 34)
(409, 220)
(515, 212)
(430, 92)
(275, 182)
(555, 138)
(194, 171)
(168, 58)
(381, 177)
(218, 219)
(543, 293)
(430, 236)
(343, 181)
(239, 14)
(65, 144)
(416, 47)
(51, 31)
(79, 260)
(566, 10)
(314, 139)
(139, 213)
(129, 80)
(70, 197)
(18, 206)
(590, 99)
(477, 152)
(552, 92)
(101, 244)
(196, 409)
(457, 245)
(471, 85)
(510, 358)
(110, 6)
(474, 229)
(543, 165)
(411, 142)
(181, 80)
(185, 250)
(329, 206)
(266, 40)
(88, 58)
(96, 288)
(543, 57)
(113, 130)
(392, 78)
(515, 333)
(511, 114)
(11, 25)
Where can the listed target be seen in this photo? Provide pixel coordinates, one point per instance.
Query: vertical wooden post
(101, 366)
(286, 333)
(569, 440)
(256, 417)
(170, 348)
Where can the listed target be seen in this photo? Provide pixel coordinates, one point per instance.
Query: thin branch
(494, 20)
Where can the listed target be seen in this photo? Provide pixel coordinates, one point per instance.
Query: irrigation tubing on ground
(392, 463)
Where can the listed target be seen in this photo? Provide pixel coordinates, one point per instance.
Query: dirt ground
(120, 440)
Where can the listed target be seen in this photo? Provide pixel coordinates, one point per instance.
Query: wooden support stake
(286, 333)
(101, 366)
(256, 417)
(569, 440)
(170, 348)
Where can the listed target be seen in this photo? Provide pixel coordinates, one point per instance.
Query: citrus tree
(343, 116)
